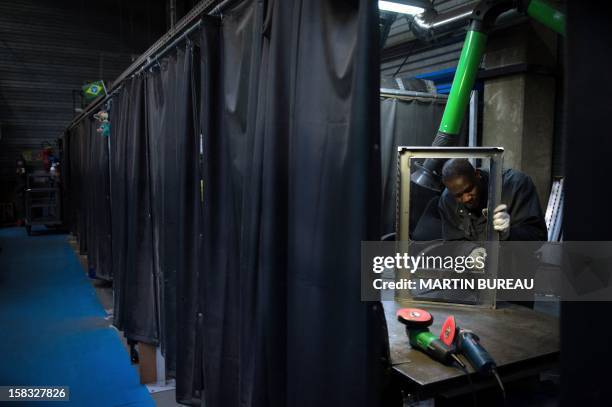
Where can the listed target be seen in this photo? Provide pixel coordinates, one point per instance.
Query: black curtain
(197, 89)
(175, 193)
(333, 203)
(89, 194)
(96, 195)
(140, 304)
(102, 218)
(411, 122)
(118, 138)
(81, 137)
(291, 188)
(135, 288)
(66, 173)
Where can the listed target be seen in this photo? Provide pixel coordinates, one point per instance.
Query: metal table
(523, 343)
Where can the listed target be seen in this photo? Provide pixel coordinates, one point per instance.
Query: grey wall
(519, 109)
(50, 48)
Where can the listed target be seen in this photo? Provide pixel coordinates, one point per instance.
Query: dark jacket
(518, 192)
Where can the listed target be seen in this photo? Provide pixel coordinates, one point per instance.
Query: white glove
(479, 252)
(501, 220)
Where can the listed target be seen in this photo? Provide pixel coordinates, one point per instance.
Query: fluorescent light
(451, 19)
(399, 7)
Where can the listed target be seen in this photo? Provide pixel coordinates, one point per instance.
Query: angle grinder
(417, 322)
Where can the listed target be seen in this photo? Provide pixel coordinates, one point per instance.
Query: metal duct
(430, 24)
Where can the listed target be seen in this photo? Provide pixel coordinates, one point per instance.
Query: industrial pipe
(482, 20)
(429, 175)
(431, 24)
(547, 15)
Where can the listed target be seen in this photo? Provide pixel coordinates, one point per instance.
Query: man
(463, 202)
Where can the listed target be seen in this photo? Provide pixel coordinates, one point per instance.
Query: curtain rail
(182, 29)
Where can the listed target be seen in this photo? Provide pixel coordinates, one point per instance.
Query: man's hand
(501, 220)
(479, 252)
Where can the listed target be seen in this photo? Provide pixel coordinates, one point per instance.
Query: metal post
(473, 124)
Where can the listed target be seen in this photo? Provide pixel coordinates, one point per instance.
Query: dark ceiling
(49, 49)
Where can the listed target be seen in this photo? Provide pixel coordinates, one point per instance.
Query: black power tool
(468, 344)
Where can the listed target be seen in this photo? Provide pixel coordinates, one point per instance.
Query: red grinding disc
(414, 317)
(447, 334)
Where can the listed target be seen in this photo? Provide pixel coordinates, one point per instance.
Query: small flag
(94, 89)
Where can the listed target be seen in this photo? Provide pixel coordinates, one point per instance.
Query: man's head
(463, 182)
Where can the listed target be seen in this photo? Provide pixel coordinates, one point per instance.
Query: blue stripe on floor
(52, 327)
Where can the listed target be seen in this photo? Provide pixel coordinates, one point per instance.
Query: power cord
(501, 385)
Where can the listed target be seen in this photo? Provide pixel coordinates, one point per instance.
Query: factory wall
(48, 49)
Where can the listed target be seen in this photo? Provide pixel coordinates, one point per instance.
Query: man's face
(466, 189)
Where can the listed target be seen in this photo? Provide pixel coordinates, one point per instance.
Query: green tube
(547, 15)
(463, 82)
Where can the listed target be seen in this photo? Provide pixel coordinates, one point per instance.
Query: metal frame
(50, 201)
(495, 157)
(401, 93)
(554, 211)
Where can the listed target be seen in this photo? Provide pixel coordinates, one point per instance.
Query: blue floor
(52, 327)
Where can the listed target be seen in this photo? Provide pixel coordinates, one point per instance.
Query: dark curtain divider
(175, 190)
(292, 186)
(405, 123)
(135, 288)
(191, 274)
(98, 198)
(66, 173)
(118, 138)
(89, 193)
(82, 135)
(217, 307)
(140, 301)
(334, 341)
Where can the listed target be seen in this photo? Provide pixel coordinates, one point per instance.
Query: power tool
(468, 344)
(417, 323)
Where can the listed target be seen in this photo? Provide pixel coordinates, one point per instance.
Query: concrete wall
(519, 108)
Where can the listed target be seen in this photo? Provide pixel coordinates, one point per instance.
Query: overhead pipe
(547, 15)
(482, 20)
(431, 24)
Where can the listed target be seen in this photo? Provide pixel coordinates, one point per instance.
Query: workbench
(522, 342)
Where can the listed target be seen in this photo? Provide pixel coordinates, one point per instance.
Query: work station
(242, 203)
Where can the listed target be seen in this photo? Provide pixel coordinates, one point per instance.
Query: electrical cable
(501, 385)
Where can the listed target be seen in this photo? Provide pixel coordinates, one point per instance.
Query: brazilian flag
(93, 90)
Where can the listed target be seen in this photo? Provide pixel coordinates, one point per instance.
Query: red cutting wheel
(414, 317)
(447, 334)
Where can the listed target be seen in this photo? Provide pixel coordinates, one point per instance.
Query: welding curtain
(173, 140)
(135, 287)
(86, 195)
(96, 190)
(405, 122)
(291, 175)
(77, 181)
